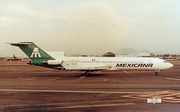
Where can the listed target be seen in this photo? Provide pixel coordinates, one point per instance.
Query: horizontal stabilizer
(20, 44)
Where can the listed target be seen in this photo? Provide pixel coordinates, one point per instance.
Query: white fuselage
(113, 63)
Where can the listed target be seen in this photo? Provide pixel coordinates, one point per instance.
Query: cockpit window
(165, 61)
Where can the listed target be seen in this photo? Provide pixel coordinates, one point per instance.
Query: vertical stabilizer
(35, 53)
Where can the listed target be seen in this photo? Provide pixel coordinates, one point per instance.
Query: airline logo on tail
(35, 53)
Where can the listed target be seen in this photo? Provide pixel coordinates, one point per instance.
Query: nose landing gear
(157, 72)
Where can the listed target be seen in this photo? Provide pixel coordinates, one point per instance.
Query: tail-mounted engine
(53, 62)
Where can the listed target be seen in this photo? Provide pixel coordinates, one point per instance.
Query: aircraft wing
(95, 67)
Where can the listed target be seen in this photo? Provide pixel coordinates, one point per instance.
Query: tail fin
(35, 53)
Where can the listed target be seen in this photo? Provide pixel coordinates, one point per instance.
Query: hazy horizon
(90, 26)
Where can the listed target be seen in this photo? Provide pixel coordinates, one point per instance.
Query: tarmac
(26, 88)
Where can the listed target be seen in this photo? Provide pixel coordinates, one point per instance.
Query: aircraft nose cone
(170, 65)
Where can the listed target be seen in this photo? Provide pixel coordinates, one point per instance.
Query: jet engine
(53, 62)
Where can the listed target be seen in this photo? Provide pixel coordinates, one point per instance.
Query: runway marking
(166, 96)
(74, 105)
(54, 79)
(81, 78)
(173, 79)
(69, 91)
(98, 105)
(26, 78)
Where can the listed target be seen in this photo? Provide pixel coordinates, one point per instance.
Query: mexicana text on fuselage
(134, 65)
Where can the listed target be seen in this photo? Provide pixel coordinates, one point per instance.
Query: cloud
(20, 9)
(10, 24)
(92, 27)
(7, 22)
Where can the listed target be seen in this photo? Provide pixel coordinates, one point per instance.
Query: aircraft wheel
(157, 73)
(86, 73)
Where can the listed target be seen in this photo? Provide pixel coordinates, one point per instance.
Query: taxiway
(31, 88)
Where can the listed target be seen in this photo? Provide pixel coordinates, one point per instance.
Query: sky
(90, 26)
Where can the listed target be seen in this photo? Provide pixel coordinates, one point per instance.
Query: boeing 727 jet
(40, 57)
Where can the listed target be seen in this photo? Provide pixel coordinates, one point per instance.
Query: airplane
(14, 58)
(40, 57)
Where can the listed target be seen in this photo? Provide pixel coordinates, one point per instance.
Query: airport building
(121, 54)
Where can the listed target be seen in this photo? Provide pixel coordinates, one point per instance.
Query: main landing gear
(87, 73)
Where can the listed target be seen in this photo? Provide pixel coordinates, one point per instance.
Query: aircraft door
(67, 62)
